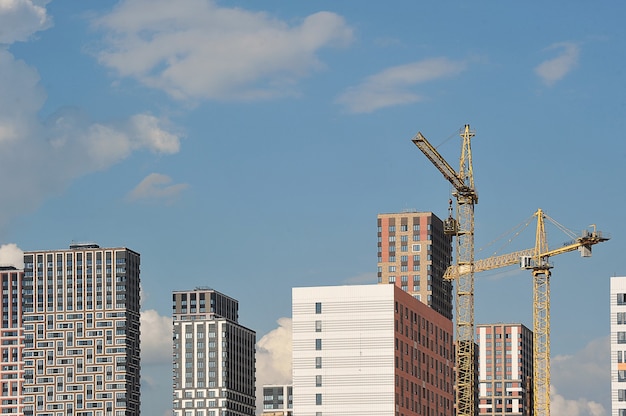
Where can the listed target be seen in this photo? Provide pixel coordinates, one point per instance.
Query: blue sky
(248, 146)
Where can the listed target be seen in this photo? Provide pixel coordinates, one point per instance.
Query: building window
(318, 399)
(621, 318)
(621, 375)
(621, 337)
(621, 298)
(404, 227)
(416, 248)
(621, 395)
(318, 380)
(318, 362)
(318, 344)
(318, 307)
(318, 326)
(392, 228)
(392, 268)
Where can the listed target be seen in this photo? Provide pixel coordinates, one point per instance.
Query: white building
(369, 350)
(618, 346)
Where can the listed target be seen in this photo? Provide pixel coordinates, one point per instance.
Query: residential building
(414, 253)
(81, 330)
(505, 369)
(277, 400)
(213, 356)
(618, 345)
(12, 341)
(369, 350)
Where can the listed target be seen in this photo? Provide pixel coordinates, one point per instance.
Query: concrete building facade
(505, 369)
(369, 350)
(213, 356)
(414, 253)
(12, 342)
(618, 345)
(81, 331)
(277, 400)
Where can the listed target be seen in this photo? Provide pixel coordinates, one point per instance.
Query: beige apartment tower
(505, 369)
(81, 332)
(413, 254)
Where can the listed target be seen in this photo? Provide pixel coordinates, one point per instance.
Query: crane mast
(541, 321)
(463, 229)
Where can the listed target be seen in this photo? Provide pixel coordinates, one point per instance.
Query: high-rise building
(277, 400)
(369, 350)
(505, 369)
(618, 345)
(12, 337)
(413, 254)
(213, 356)
(81, 331)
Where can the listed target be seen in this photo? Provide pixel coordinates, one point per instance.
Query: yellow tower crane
(537, 260)
(463, 228)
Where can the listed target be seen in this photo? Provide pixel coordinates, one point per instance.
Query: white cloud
(42, 158)
(20, 19)
(273, 358)
(156, 338)
(11, 255)
(393, 86)
(202, 51)
(555, 69)
(157, 186)
(592, 395)
(560, 406)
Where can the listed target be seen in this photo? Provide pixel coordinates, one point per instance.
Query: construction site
(536, 260)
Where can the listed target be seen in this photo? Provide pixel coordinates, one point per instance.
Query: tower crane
(463, 228)
(537, 261)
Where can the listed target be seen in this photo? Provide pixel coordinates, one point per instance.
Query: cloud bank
(202, 51)
(582, 396)
(273, 358)
(20, 19)
(11, 255)
(156, 338)
(43, 157)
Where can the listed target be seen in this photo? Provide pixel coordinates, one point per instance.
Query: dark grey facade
(213, 356)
